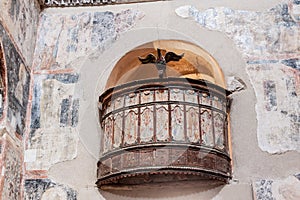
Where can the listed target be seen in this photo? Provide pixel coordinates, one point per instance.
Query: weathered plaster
(288, 188)
(53, 137)
(46, 189)
(264, 38)
(281, 189)
(65, 40)
(278, 106)
(159, 22)
(263, 190)
(271, 34)
(18, 80)
(11, 167)
(21, 19)
(235, 84)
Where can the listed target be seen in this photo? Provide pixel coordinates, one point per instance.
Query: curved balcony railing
(158, 130)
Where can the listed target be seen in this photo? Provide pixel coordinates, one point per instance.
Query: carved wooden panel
(207, 127)
(193, 124)
(162, 123)
(147, 124)
(177, 122)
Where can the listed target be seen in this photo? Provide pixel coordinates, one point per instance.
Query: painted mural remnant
(288, 188)
(270, 47)
(55, 113)
(277, 94)
(268, 35)
(270, 95)
(18, 81)
(263, 190)
(10, 166)
(48, 189)
(72, 38)
(21, 19)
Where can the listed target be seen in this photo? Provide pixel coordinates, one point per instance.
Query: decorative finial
(161, 61)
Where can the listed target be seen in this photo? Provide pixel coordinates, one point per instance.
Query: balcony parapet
(170, 127)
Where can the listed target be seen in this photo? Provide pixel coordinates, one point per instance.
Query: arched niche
(196, 64)
(164, 129)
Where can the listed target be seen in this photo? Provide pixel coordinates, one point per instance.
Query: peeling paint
(285, 189)
(268, 34)
(11, 168)
(235, 84)
(277, 112)
(263, 190)
(18, 80)
(21, 19)
(269, 43)
(65, 41)
(54, 119)
(47, 189)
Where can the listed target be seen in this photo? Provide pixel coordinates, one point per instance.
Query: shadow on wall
(182, 189)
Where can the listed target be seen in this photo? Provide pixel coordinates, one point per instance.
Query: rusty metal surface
(165, 130)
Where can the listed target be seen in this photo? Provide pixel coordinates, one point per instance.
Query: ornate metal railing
(158, 128)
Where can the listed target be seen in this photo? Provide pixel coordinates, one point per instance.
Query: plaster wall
(254, 42)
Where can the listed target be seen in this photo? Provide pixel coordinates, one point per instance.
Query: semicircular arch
(196, 64)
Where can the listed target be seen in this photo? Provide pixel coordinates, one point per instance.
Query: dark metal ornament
(161, 61)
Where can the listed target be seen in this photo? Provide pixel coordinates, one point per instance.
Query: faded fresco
(53, 137)
(18, 81)
(269, 43)
(47, 189)
(11, 167)
(65, 41)
(21, 18)
(42, 56)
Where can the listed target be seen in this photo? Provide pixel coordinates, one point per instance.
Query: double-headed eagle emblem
(161, 61)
